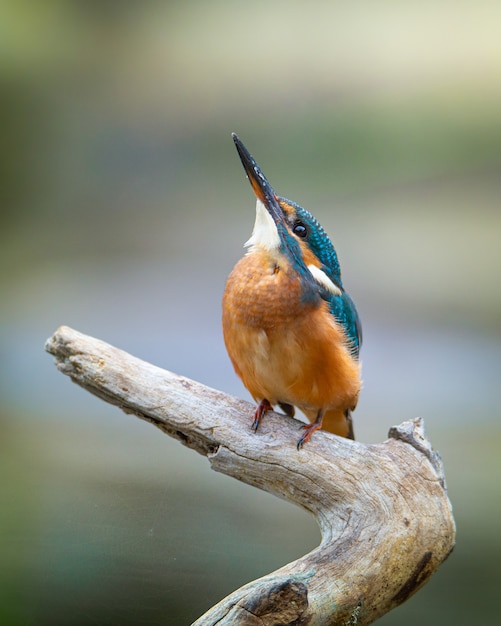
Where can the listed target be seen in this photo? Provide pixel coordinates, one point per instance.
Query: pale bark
(383, 509)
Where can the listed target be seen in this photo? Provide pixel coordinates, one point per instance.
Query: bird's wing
(343, 309)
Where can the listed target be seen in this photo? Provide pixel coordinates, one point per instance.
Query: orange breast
(283, 349)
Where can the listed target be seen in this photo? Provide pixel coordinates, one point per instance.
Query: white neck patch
(321, 277)
(265, 233)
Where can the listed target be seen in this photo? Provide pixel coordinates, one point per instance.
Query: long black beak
(259, 183)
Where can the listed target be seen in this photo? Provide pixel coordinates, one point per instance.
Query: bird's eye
(300, 230)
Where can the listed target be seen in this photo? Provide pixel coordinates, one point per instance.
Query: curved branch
(383, 510)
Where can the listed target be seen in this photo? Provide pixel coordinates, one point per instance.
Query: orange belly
(285, 350)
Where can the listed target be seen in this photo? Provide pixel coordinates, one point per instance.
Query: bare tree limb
(383, 510)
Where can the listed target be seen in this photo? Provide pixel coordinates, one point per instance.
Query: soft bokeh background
(124, 207)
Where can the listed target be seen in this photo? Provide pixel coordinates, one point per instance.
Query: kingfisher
(291, 330)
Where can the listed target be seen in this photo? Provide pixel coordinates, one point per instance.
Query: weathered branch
(383, 510)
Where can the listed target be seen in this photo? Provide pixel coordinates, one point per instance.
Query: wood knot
(285, 602)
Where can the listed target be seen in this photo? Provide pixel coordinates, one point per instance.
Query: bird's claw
(306, 436)
(261, 409)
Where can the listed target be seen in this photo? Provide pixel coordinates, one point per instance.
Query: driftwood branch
(383, 510)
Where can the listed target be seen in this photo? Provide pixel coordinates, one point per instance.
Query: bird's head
(289, 233)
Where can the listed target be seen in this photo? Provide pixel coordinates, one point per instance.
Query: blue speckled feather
(342, 307)
(319, 242)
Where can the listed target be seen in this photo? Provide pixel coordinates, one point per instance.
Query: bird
(292, 332)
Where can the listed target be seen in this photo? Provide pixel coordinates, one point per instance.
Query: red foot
(309, 430)
(261, 409)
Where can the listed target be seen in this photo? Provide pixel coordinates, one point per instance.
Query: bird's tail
(339, 422)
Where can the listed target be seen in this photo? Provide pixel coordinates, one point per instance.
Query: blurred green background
(124, 207)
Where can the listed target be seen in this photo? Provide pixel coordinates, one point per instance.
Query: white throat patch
(265, 233)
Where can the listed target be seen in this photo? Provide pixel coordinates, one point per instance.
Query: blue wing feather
(343, 309)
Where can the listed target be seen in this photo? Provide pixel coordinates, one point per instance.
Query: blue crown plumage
(341, 306)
